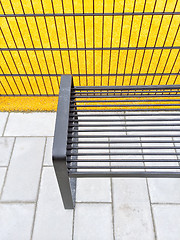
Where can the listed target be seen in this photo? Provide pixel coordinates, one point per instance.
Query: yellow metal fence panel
(106, 42)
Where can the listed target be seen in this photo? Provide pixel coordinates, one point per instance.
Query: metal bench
(98, 126)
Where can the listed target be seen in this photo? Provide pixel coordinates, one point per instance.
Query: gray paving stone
(133, 221)
(93, 190)
(24, 170)
(3, 118)
(165, 190)
(167, 221)
(48, 152)
(6, 144)
(52, 221)
(93, 221)
(30, 124)
(16, 221)
(128, 190)
(132, 214)
(2, 176)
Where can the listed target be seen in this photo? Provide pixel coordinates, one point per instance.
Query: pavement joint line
(149, 196)
(27, 136)
(38, 191)
(112, 204)
(93, 202)
(17, 202)
(73, 221)
(112, 208)
(5, 124)
(5, 178)
(161, 203)
(173, 140)
(152, 214)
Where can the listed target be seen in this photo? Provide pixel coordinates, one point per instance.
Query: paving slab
(48, 152)
(52, 220)
(16, 221)
(93, 221)
(24, 170)
(131, 208)
(3, 118)
(6, 145)
(2, 177)
(30, 124)
(93, 190)
(167, 221)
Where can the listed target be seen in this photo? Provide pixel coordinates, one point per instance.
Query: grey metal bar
(124, 141)
(129, 114)
(99, 96)
(89, 74)
(127, 125)
(125, 100)
(123, 136)
(69, 153)
(123, 95)
(123, 120)
(123, 167)
(131, 174)
(121, 147)
(60, 141)
(126, 105)
(90, 49)
(127, 130)
(120, 92)
(136, 87)
(122, 160)
(125, 109)
(88, 14)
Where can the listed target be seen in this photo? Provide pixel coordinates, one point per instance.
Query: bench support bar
(67, 187)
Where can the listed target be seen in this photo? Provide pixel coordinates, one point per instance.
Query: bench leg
(67, 186)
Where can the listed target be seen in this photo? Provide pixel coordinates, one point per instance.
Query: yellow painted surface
(26, 104)
(40, 32)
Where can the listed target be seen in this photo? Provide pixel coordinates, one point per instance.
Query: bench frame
(67, 179)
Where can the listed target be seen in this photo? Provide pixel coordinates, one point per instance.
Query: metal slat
(122, 136)
(124, 130)
(121, 147)
(122, 110)
(107, 92)
(116, 114)
(108, 174)
(122, 141)
(123, 167)
(124, 105)
(142, 87)
(127, 96)
(123, 160)
(69, 153)
(126, 100)
(123, 120)
(126, 125)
